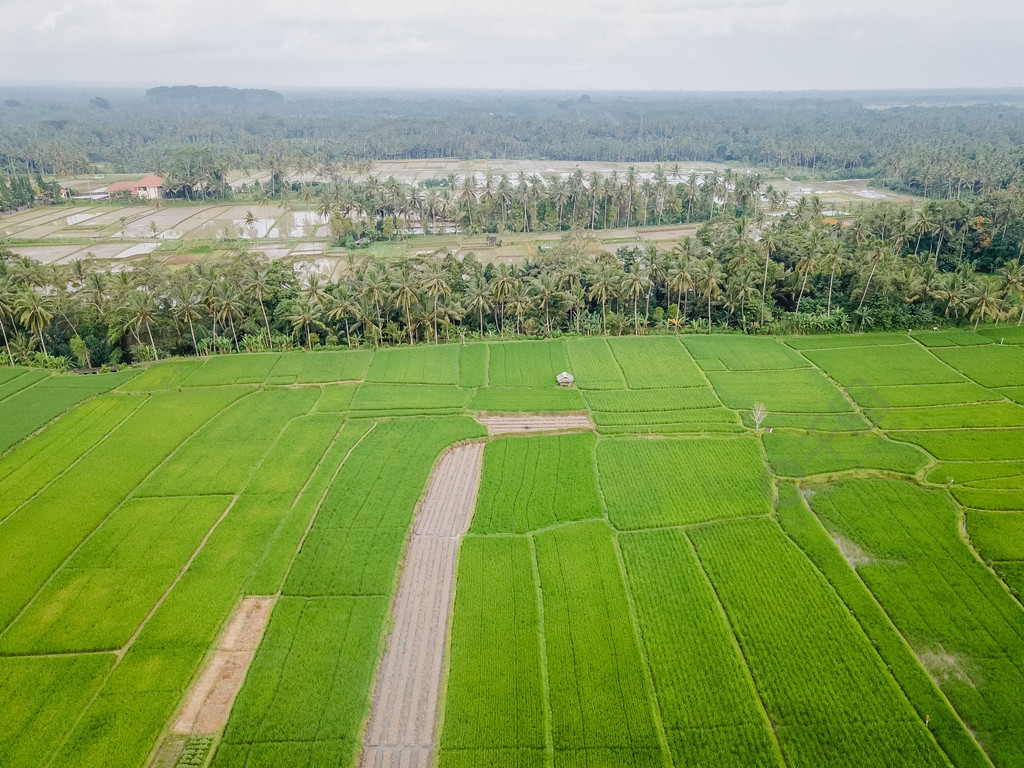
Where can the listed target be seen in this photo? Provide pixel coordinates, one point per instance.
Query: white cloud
(604, 44)
(49, 21)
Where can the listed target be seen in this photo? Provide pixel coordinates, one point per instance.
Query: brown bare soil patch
(502, 425)
(209, 702)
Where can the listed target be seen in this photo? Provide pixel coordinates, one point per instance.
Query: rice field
(837, 585)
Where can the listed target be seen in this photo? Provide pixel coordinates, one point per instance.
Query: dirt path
(209, 702)
(501, 425)
(400, 732)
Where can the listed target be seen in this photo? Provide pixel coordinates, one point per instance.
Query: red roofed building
(149, 188)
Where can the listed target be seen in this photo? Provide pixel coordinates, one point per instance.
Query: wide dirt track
(401, 727)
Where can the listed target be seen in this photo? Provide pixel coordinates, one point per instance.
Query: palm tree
(404, 296)
(1012, 275)
(228, 307)
(545, 288)
(35, 312)
(185, 304)
(985, 300)
(833, 261)
(603, 286)
(255, 282)
(477, 297)
(770, 246)
(142, 311)
(680, 280)
(877, 255)
(305, 315)
(436, 286)
(742, 286)
(502, 285)
(343, 307)
(7, 300)
(709, 281)
(635, 285)
(805, 266)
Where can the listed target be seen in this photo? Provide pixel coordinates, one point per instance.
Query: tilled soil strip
(400, 732)
(500, 425)
(209, 702)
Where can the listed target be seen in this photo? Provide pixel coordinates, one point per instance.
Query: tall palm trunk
(764, 284)
(151, 342)
(7, 345)
(831, 278)
(803, 285)
(192, 330)
(868, 285)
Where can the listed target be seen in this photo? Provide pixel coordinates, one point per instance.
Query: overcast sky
(518, 44)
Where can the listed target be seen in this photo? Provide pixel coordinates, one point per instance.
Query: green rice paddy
(839, 587)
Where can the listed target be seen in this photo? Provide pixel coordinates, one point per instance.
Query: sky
(574, 45)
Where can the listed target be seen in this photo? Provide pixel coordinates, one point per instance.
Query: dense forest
(949, 262)
(935, 144)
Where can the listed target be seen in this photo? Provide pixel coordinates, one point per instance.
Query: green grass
(526, 400)
(42, 459)
(356, 542)
(103, 592)
(408, 400)
(742, 353)
(494, 703)
(532, 364)
(951, 337)
(713, 640)
(710, 708)
(970, 444)
(800, 391)
(990, 366)
(336, 399)
(1004, 334)
(473, 366)
(848, 340)
(593, 365)
(964, 627)
(320, 367)
(654, 362)
(422, 364)
(830, 696)
(137, 447)
(166, 375)
(814, 422)
(997, 535)
(14, 380)
(807, 532)
(39, 699)
(29, 409)
(231, 369)
(601, 713)
(794, 455)
(215, 460)
(875, 366)
(654, 483)
(534, 482)
(949, 416)
(309, 685)
(905, 396)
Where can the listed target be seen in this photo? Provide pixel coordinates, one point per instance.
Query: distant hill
(213, 96)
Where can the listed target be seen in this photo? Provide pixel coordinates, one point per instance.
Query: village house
(149, 188)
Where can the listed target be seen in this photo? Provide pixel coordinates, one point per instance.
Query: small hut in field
(564, 378)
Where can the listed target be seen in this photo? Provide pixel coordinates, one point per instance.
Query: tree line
(889, 267)
(951, 146)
